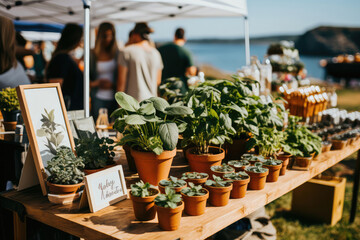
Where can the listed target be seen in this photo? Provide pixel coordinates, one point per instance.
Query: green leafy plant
(257, 168)
(173, 182)
(95, 151)
(168, 200)
(171, 90)
(194, 175)
(236, 176)
(238, 163)
(65, 167)
(193, 190)
(272, 162)
(222, 168)
(141, 189)
(217, 182)
(9, 100)
(268, 141)
(152, 125)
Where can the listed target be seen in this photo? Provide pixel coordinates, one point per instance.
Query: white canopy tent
(119, 11)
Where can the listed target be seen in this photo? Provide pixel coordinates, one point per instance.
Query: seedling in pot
(141, 189)
(173, 182)
(194, 175)
(143, 196)
(239, 163)
(222, 168)
(193, 190)
(272, 162)
(219, 191)
(237, 176)
(217, 182)
(257, 168)
(168, 200)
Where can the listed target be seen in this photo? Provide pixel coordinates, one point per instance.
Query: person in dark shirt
(63, 69)
(177, 60)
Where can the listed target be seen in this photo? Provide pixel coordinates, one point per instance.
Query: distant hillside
(253, 40)
(329, 41)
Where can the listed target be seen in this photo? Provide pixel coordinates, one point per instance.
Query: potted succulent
(221, 170)
(339, 142)
(195, 199)
(239, 165)
(151, 129)
(173, 183)
(96, 152)
(143, 197)
(252, 158)
(257, 175)
(169, 207)
(219, 190)
(240, 181)
(274, 167)
(65, 172)
(285, 158)
(195, 177)
(10, 108)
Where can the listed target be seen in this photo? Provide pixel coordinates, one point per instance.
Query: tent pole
(247, 40)
(87, 4)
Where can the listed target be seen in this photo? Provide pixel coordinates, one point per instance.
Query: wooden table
(118, 221)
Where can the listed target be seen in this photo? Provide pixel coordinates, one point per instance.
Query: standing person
(177, 60)
(12, 73)
(140, 66)
(63, 69)
(104, 69)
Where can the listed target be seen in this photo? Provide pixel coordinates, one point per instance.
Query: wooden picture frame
(40, 104)
(105, 188)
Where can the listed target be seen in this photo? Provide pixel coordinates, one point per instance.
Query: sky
(266, 17)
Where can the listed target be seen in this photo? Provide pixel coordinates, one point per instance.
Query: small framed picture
(46, 121)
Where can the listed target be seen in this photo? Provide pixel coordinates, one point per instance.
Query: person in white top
(104, 70)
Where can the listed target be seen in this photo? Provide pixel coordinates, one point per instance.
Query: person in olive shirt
(177, 60)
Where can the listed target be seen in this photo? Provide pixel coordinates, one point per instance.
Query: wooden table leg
(19, 228)
(355, 189)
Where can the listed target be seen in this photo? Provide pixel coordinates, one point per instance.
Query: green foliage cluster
(252, 157)
(152, 125)
(217, 182)
(170, 90)
(194, 175)
(222, 168)
(173, 182)
(257, 168)
(95, 151)
(168, 200)
(9, 100)
(272, 162)
(65, 167)
(193, 190)
(141, 189)
(238, 163)
(236, 176)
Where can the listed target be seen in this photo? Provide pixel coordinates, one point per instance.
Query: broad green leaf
(159, 103)
(146, 109)
(178, 110)
(134, 119)
(127, 102)
(169, 134)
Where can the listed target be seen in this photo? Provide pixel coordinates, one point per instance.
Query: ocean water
(231, 56)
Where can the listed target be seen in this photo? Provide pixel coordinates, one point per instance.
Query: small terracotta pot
(257, 180)
(239, 187)
(197, 181)
(303, 162)
(195, 205)
(10, 126)
(219, 196)
(274, 172)
(338, 144)
(177, 189)
(63, 189)
(151, 167)
(144, 207)
(130, 160)
(91, 171)
(236, 149)
(326, 148)
(238, 169)
(169, 219)
(203, 162)
(219, 174)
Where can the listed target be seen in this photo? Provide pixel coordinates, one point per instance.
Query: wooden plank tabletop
(118, 221)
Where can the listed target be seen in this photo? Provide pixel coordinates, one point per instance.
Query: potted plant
(257, 175)
(10, 108)
(195, 177)
(143, 197)
(96, 152)
(65, 172)
(151, 129)
(195, 199)
(219, 190)
(169, 207)
(240, 181)
(239, 165)
(339, 142)
(268, 141)
(274, 167)
(173, 183)
(253, 158)
(221, 170)
(326, 146)
(285, 158)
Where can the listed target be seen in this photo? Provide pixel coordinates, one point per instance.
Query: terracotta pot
(326, 148)
(130, 160)
(303, 162)
(239, 187)
(197, 181)
(285, 163)
(91, 171)
(10, 126)
(177, 189)
(257, 180)
(195, 205)
(338, 144)
(274, 172)
(63, 189)
(203, 162)
(151, 167)
(169, 219)
(144, 207)
(219, 174)
(219, 196)
(238, 169)
(236, 149)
